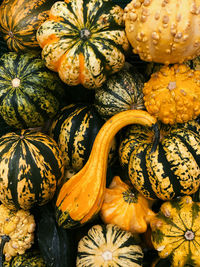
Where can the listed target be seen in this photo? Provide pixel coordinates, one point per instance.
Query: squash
(175, 231)
(30, 93)
(173, 94)
(84, 41)
(80, 198)
(163, 31)
(19, 21)
(31, 167)
(121, 91)
(108, 245)
(74, 129)
(173, 170)
(126, 207)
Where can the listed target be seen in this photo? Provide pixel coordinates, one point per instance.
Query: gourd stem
(4, 239)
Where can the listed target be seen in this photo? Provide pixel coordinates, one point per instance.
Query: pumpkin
(80, 198)
(175, 231)
(19, 21)
(108, 245)
(126, 207)
(74, 129)
(31, 167)
(30, 93)
(173, 170)
(163, 31)
(121, 91)
(84, 41)
(16, 232)
(173, 94)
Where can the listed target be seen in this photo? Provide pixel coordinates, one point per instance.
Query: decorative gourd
(163, 31)
(126, 207)
(108, 245)
(16, 232)
(31, 167)
(30, 93)
(84, 41)
(74, 129)
(173, 94)
(121, 91)
(173, 169)
(19, 21)
(80, 198)
(176, 232)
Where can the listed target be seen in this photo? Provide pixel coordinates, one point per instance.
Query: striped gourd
(172, 170)
(29, 93)
(121, 91)
(108, 245)
(19, 21)
(84, 41)
(74, 130)
(31, 167)
(30, 259)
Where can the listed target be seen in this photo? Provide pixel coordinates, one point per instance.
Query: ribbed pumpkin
(19, 21)
(29, 93)
(84, 41)
(174, 168)
(108, 245)
(121, 91)
(176, 232)
(163, 31)
(31, 167)
(74, 130)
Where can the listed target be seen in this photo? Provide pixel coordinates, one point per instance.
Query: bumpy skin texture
(176, 232)
(173, 94)
(108, 245)
(164, 31)
(84, 41)
(20, 227)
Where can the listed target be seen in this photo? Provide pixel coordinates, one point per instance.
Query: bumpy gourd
(164, 31)
(176, 232)
(172, 94)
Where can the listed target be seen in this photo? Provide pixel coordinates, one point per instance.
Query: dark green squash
(29, 93)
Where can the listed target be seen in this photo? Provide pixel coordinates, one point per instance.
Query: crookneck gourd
(108, 245)
(124, 206)
(84, 41)
(173, 94)
(176, 232)
(163, 31)
(81, 197)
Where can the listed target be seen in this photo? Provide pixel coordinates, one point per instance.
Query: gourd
(74, 129)
(175, 231)
(121, 91)
(108, 245)
(80, 198)
(19, 21)
(172, 94)
(30, 93)
(31, 168)
(126, 207)
(173, 170)
(158, 31)
(16, 232)
(84, 41)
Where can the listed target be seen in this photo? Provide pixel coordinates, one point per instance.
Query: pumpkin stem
(4, 239)
(85, 34)
(156, 137)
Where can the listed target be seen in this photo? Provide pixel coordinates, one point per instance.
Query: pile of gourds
(100, 133)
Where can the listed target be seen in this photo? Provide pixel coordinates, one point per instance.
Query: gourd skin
(125, 207)
(91, 49)
(175, 231)
(173, 169)
(172, 94)
(163, 31)
(108, 245)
